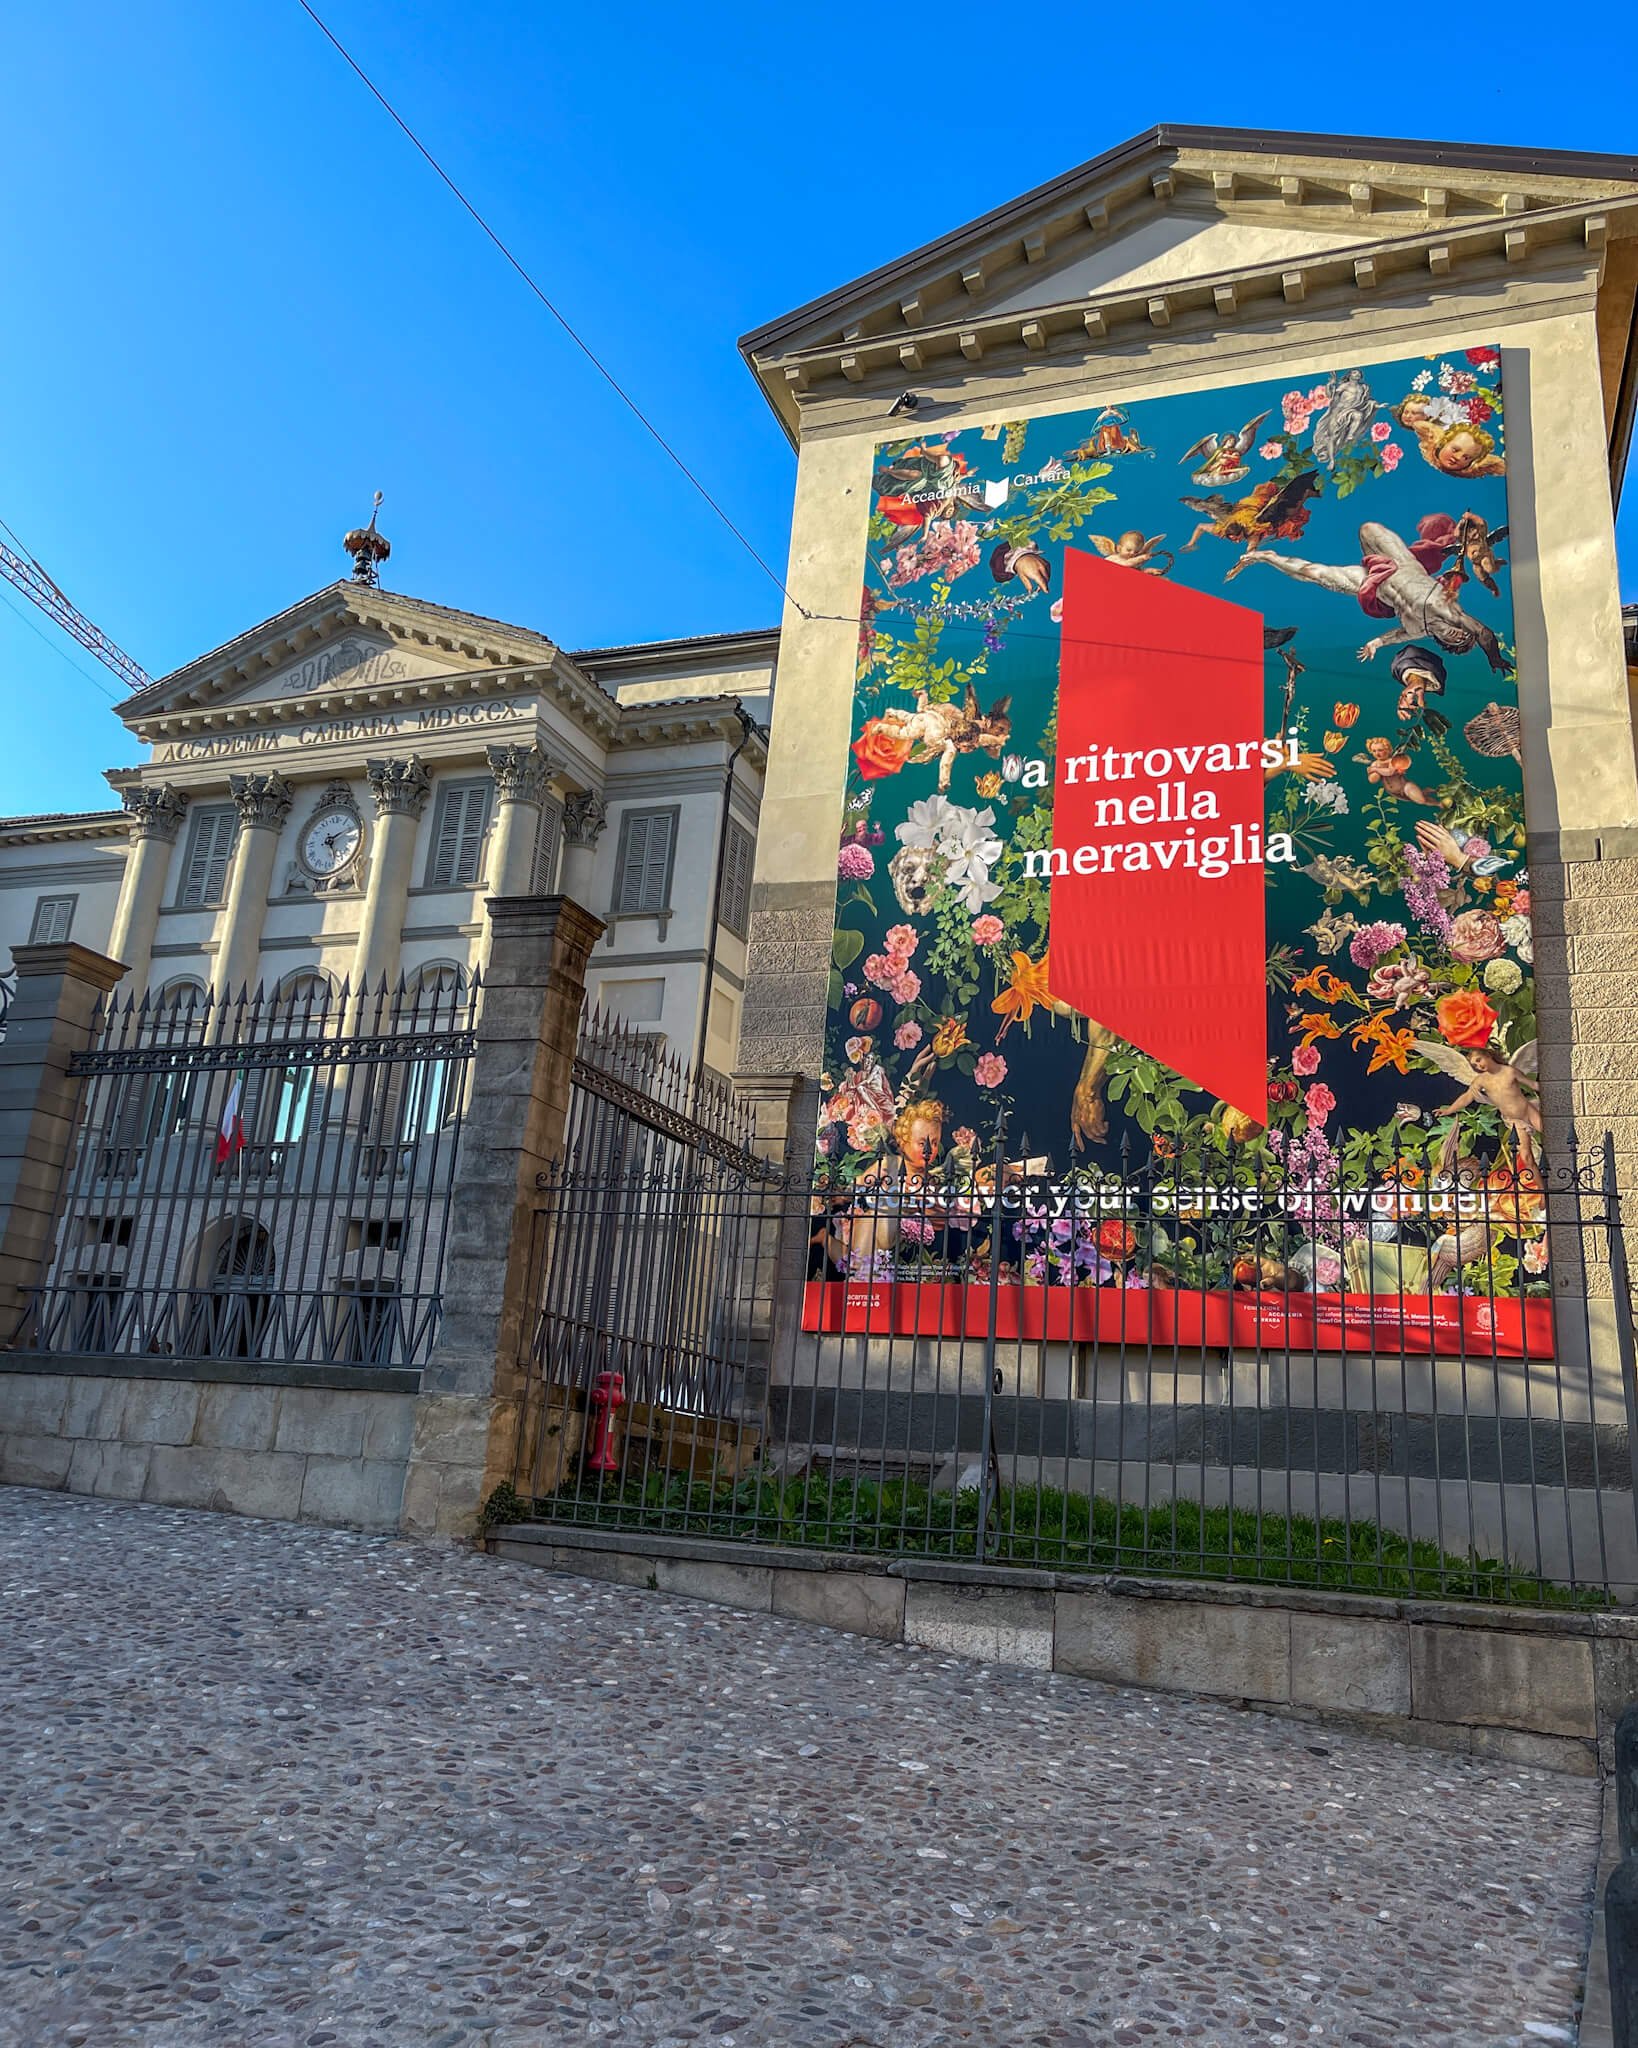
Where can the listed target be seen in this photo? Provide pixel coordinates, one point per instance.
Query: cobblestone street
(272, 1784)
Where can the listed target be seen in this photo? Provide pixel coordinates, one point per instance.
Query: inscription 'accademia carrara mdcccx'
(379, 725)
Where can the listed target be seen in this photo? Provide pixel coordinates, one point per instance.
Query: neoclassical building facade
(334, 794)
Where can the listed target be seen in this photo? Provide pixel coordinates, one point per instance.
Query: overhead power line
(578, 339)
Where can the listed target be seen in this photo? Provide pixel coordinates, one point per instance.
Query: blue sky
(236, 303)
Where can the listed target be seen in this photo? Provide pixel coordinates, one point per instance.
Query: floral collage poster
(1363, 516)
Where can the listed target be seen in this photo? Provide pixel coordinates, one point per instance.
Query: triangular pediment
(347, 639)
(1182, 204)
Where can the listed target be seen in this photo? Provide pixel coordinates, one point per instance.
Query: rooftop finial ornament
(368, 549)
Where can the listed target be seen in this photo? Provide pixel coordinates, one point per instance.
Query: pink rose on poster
(988, 930)
(1390, 455)
(902, 940)
(1521, 902)
(1381, 431)
(989, 1070)
(908, 1034)
(1271, 451)
(1305, 1060)
(964, 1136)
(1476, 935)
(878, 968)
(905, 988)
(1319, 1103)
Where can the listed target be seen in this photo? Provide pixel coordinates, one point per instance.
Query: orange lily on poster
(1026, 992)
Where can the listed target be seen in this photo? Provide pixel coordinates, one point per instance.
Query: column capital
(262, 799)
(399, 786)
(156, 811)
(584, 816)
(521, 773)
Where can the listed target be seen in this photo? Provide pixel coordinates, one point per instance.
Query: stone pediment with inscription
(353, 662)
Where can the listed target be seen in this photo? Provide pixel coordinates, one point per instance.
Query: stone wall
(257, 1445)
(1584, 906)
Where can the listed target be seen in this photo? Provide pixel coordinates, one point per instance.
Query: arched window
(231, 1302)
(305, 1005)
(435, 1001)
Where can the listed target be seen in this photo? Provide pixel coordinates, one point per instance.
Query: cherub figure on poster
(1223, 456)
(1447, 439)
(941, 732)
(1133, 551)
(1508, 1085)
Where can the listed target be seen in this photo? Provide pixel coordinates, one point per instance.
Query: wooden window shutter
(457, 835)
(548, 841)
(210, 848)
(53, 918)
(648, 842)
(737, 855)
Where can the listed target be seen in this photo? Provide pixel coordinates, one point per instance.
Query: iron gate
(262, 1178)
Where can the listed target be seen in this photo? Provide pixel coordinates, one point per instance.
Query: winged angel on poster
(1184, 822)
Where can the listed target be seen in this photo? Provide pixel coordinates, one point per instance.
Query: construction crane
(19, 568)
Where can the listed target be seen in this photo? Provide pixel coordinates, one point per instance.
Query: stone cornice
(1086, 324)
(559, 682)
(690, 718)
(50, 828)
(1321, 181)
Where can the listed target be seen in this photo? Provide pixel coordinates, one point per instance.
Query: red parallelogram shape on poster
(1163, 946)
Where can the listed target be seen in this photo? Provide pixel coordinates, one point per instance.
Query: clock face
(330, 842)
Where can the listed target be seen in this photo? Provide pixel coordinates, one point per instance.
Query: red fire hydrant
(608, 1393)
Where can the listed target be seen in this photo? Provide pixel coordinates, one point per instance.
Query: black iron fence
(262, 1178)
(1395, 1381)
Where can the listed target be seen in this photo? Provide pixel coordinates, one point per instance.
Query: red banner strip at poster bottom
(1443, 1325)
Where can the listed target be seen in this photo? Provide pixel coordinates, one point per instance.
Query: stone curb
(1537, 1689)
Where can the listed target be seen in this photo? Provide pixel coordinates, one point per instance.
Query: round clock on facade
(330, 841)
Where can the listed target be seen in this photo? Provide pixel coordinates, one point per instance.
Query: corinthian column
(156, 813)
(400, 790)
(521, 775)
(584, 816)
(264, 804)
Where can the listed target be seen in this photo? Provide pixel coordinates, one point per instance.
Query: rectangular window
(53, 920)
(548, 842)
(455, 858)
(648, 847)
(211, 834)
(738, 852)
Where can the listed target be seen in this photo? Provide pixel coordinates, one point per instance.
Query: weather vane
(368, 549)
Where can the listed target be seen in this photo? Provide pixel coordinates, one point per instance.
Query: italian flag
(230, 1139)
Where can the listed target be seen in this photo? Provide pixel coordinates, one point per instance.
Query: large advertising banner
(1184, 824)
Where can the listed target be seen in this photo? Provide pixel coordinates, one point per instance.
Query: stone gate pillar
(51, 1017)
(467, 1414)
